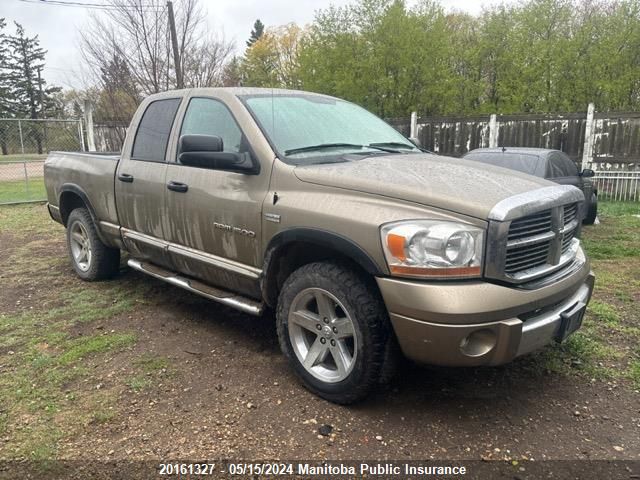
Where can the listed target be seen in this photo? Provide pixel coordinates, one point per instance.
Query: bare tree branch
(131, 40)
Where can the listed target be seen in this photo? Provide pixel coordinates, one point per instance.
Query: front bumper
(480, 323)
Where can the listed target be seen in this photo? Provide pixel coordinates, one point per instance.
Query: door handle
(177, 186)
(125, 177)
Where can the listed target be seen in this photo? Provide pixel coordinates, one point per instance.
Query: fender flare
(73, 188)
(314, 236)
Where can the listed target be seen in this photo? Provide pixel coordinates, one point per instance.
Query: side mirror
(200, 143)
(206, 151)
(587, 173)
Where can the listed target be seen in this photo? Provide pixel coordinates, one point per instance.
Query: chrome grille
(570, 213)
(526, 257)
(531, 225)
(536, 244)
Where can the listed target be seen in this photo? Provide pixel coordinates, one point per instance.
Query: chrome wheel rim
(80, 246)
(322, 335)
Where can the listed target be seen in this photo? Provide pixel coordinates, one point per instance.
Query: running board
(226, 298)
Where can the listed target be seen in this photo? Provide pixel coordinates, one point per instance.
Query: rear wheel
(593, 211)
(334, 329)
(91, 259)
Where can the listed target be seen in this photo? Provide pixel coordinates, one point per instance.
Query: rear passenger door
(140, 182)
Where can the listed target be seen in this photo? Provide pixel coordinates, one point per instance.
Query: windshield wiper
(392, 144)
(402, 145)
(322, 146)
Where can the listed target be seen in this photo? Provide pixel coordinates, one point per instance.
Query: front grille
(531, 225)
(570, 213)
(539, 243)
(570, 224)
(527, 257)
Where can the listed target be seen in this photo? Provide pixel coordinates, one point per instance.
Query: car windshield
(317, 129)
(521, 162)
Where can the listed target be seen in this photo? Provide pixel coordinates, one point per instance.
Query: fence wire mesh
(24, 144)
(28, 139)
(22, 181)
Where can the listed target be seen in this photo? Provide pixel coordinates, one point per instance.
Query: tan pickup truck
(310, 206)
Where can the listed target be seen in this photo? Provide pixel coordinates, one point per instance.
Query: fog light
(478, 343)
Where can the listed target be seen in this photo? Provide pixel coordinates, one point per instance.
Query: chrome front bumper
(541, 330)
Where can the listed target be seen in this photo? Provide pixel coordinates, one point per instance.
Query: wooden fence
(599, 140)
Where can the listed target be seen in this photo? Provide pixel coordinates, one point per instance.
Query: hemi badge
(272, 217)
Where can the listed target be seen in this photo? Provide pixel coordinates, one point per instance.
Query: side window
(561, 166)
(151, 139)
(206, 116)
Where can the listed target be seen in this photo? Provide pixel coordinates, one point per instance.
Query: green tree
(4, 88)
(273, 60)
(616, 57)
(232, 73)
(256, 33)
(395, 57)
(4, 82)
(29, 96)
(381, 54)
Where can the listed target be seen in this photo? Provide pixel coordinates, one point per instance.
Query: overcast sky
(58, 25)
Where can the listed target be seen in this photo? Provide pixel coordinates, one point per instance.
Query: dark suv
(553, 165)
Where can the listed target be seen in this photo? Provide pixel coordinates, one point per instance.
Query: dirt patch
(231, 394)
(187, 378)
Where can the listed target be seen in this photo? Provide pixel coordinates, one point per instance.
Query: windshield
(312, 128)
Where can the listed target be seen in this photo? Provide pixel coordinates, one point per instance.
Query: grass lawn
(608, 345)
(44, 354)
(53, 343)
(19, 191)
(21, 157)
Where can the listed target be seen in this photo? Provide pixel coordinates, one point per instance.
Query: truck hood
(447, 183)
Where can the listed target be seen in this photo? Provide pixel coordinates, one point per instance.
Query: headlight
(432, 248)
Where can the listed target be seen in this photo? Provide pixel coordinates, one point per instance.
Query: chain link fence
(24, 144)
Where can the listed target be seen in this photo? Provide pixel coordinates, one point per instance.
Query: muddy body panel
(238, 230)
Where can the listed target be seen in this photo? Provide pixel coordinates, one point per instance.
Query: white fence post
(88, 120)
(81, 136)
(493, 131)
(26, 177)
(589, 131)
(21, 139)
(413, 133)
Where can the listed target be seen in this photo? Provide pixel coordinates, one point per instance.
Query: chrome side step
(233, 300)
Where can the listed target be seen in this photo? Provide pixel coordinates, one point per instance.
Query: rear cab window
(152, 136)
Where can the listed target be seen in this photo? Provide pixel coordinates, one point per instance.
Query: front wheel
(334, 329)
(593, 210)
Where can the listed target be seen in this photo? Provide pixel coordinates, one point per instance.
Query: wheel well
(284, 260)
(69, 201)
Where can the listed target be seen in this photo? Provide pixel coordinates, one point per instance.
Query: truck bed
(90, 174)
